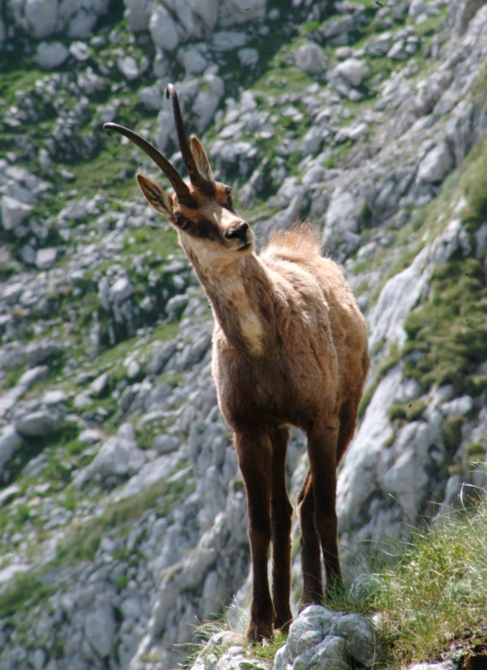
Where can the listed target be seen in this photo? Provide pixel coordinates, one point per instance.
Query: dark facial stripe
(204, 229)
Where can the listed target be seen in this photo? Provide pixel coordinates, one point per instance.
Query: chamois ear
(156, 196)
(201, 159)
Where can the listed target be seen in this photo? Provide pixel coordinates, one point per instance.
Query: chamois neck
(240, 293)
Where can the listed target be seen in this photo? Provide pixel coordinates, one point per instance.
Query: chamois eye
(181, 222)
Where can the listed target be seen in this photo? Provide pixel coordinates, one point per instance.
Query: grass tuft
(436, 590)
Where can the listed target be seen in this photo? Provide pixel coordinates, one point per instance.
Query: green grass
(448, 328)
(436, 591)
(26, 591)
(432, 593)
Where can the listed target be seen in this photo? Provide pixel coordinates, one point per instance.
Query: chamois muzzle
(238, 232)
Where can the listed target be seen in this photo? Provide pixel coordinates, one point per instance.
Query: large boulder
(81, 24)
(310, 58)
(41, 17)
(37, 424)
(235, 11)
(207, 101)
(436, 164)
(45, 258)
(119, 457)
(50, 55)
(163, 29)
(138, 14)
(14, 212)
(353, 70)
(100, 628)
(9, 441)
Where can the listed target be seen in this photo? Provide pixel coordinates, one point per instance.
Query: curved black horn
(184, 146)
(167, 168)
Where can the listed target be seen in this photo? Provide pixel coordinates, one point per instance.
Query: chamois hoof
(256, 632)
(282, 623)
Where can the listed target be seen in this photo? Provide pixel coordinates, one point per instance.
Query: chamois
(289, 348)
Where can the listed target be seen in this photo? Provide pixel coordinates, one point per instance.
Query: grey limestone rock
(14, 212)
(99, 385)
(121, 290)
(163, 29)
(9, 441)
(227, 40)
(207, 101)
(45, 258)
(50, 55)
(165, 444)
(193, 61)
(128, 67)
(37, 424)
(119, 456)
(324, 640)
(436, 164)
(331, 654)
(138, 14)
(362, 640)
(100, 628)
(354, 70)
(150, 97)
(310, 58)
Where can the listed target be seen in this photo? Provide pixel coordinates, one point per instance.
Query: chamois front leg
(322, 449)
(282, 511)
(254, 453)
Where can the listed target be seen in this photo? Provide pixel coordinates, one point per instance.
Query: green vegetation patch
(449, 328)
(27, 590)
(448, 567)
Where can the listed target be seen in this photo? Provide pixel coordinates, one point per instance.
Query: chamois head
(202, 210)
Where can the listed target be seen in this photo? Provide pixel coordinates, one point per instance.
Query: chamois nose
(238, 232)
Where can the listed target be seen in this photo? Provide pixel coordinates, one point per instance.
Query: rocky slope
(121, 507)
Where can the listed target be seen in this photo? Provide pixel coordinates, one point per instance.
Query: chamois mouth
(245, 246)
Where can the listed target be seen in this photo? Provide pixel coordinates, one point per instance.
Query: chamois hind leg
(322, 449)
(254, 451)
(281, 519)
(310, 546)
(348, 421)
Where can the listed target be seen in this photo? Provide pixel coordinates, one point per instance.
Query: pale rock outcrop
(9, 441)
(436, 164)
(118, 457)
(37, 424)
(138, 14)
(233, 12)
(14, 212)
(356, 481)
(353, 70)
(100, 627)
(342, 217)
(399, 295)
(128, 67)
(310, 58)
(163, 29)
(41, 17)
(207, 101)
(45, 258)
(50, 55)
